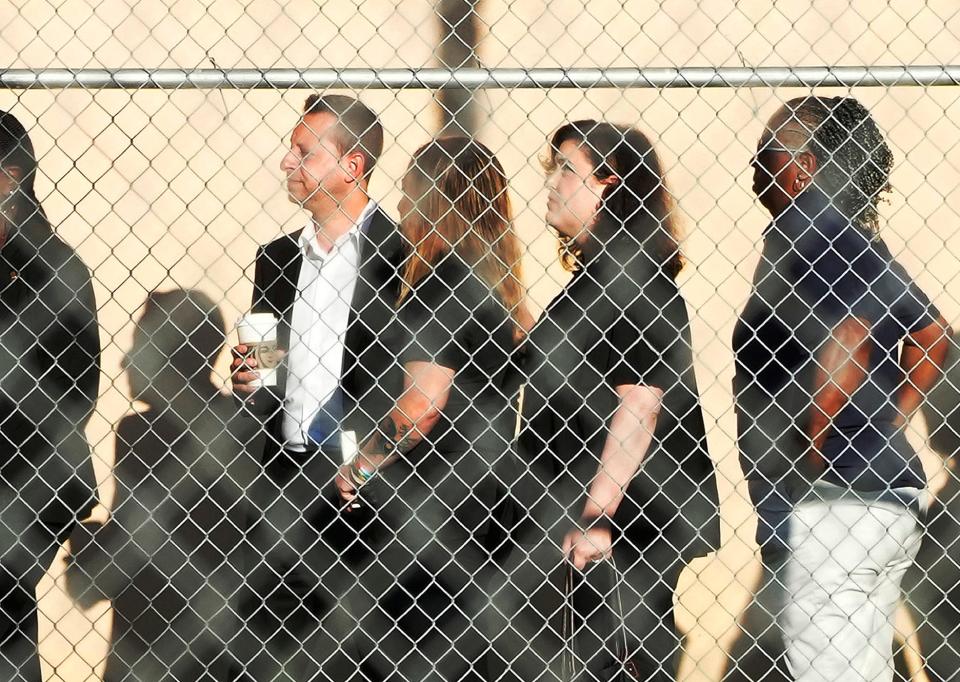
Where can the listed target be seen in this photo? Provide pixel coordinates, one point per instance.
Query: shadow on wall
(167, 558)
(758, 654)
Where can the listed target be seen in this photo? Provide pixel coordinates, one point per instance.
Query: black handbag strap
(568, 662)
(568, 657)
(621, 617)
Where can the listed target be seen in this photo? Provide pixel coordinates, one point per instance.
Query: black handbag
(621, 668)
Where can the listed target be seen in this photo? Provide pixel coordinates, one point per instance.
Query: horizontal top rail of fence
(494, 78)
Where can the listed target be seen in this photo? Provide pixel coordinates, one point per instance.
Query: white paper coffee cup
(258, 331)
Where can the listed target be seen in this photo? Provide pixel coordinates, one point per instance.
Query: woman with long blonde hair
(429, 470)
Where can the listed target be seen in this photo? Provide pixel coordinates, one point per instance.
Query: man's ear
(354, 164)
(807, 161)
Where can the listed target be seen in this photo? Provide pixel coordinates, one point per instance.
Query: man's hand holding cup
(256, 356)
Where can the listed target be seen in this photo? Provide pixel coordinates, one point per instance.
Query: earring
(799, 185)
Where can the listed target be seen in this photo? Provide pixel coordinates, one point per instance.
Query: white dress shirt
(318, 326)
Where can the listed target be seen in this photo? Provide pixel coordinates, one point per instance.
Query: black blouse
(452, 318)
(619, 321)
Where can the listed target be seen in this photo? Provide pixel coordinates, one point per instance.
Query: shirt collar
(806, 208)
(308, 242)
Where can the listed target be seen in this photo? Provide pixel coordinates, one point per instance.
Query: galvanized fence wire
(639, 367)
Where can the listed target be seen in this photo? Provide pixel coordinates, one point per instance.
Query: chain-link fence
(792, 499)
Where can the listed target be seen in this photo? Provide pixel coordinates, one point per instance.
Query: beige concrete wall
(163, 189)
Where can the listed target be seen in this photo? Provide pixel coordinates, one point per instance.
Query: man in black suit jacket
(333, 287)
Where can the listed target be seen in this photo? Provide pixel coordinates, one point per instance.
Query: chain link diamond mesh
(169, 535)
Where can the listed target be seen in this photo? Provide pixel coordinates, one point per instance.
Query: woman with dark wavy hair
(610, 387)
(823, 390)
(49, 376)
(429, 470)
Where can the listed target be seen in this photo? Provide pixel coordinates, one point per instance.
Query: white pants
(847, 558)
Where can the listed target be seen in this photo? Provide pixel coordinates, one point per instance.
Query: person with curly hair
(823, 391)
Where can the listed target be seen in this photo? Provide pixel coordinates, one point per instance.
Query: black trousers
(19, 661)
(423, 599)
(302, 554)
(29, 549)
(29, 546)
(394, 591)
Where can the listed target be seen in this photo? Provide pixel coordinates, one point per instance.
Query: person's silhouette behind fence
(167, 557)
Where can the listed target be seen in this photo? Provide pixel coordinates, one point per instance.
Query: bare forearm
(922, 360)
(830, 400)
(628, 441)
(842, 368)
(920, 373)
(417, 411)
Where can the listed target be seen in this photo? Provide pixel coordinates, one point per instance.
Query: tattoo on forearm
(406, 439)
(392, 439)
(388, 431)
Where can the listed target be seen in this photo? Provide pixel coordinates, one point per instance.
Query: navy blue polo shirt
(817, 269)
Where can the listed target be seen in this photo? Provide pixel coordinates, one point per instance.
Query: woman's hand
(346, 486)
(583, 546)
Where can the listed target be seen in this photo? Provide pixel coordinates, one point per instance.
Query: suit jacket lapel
(380, 255)
(285, 259)
(371, 312)
(367, 340)
(376, 265)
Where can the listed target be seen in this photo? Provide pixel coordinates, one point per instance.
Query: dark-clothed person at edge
(49, 376)
(823, 391)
